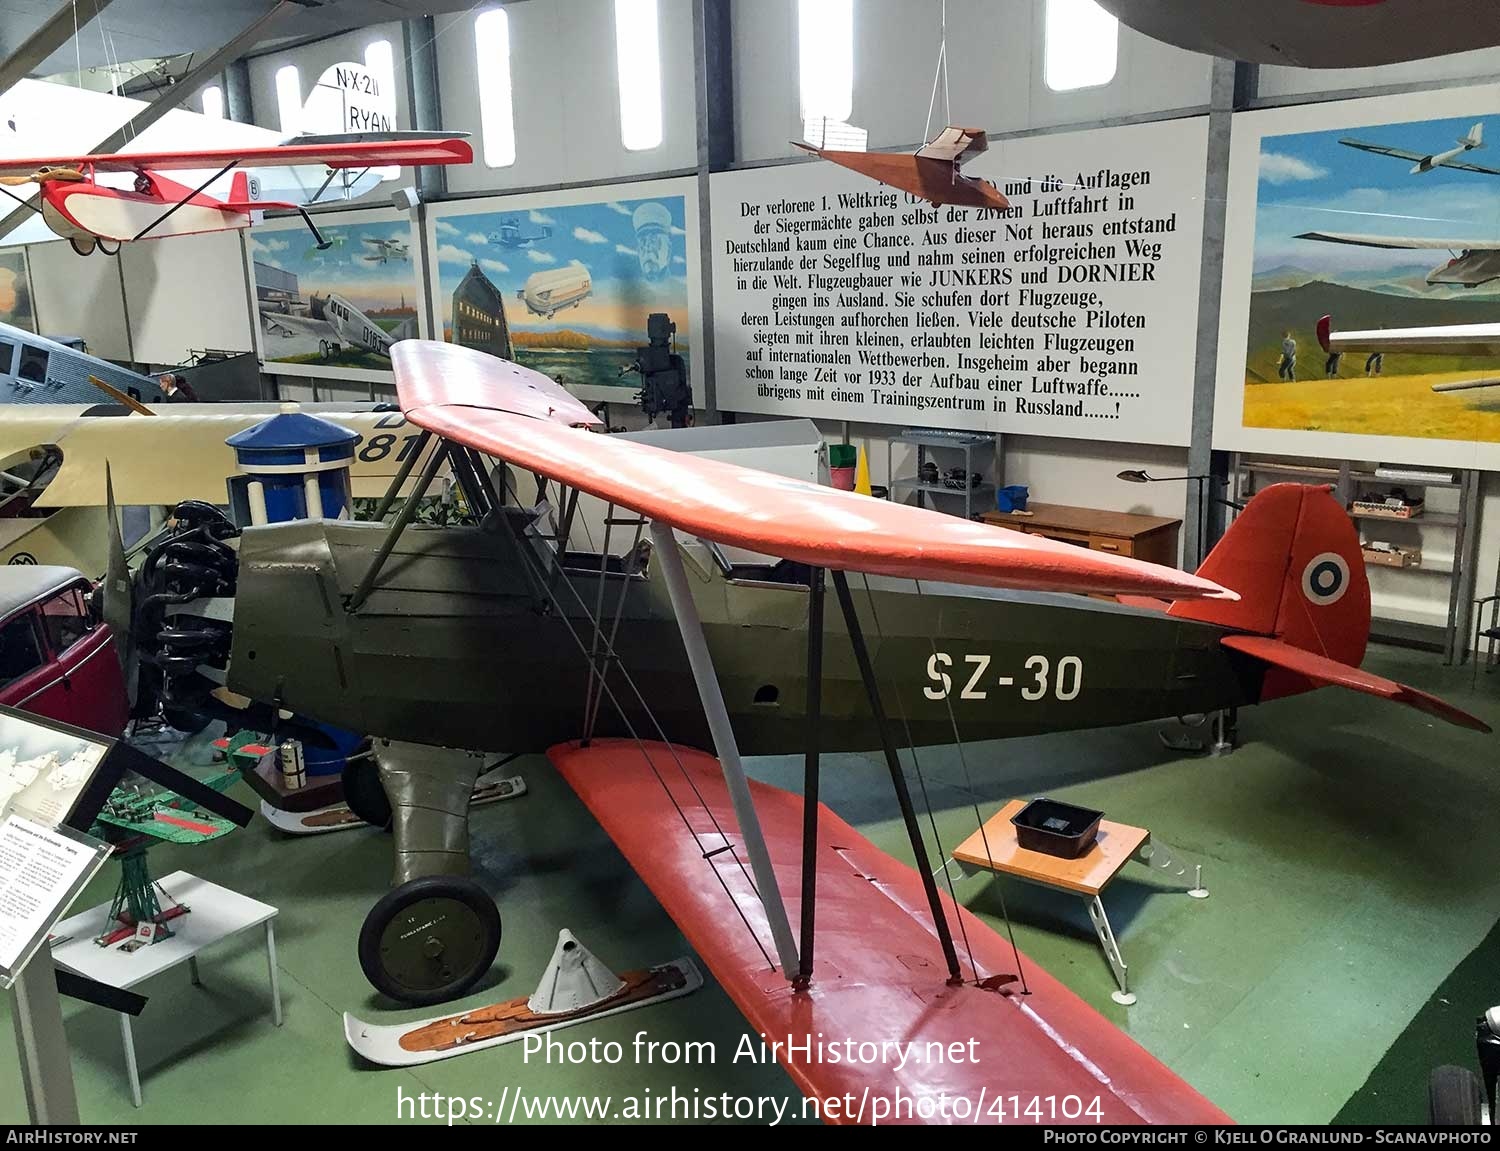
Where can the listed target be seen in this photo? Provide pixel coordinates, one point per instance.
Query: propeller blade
(119, 595)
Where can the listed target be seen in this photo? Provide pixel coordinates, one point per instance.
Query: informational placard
(1070, 313)
(44, 767)
(42, 870)
(1379, 214)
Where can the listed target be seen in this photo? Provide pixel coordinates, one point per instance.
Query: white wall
(186, 292)
(1482, 64)
(563, 83)
(79, 296)
(995, 55)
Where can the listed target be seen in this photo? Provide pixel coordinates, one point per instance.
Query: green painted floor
(1349, 846)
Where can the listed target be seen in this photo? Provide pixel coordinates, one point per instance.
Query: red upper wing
(406, 153)
(454, 392)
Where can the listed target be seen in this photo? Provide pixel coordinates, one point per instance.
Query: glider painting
(1438, 339)
(1474, 262)
(93, 214)
(931, 173)
(1423, 162)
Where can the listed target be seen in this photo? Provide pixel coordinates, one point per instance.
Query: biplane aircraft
(384, 251)
(637, 652)
(80, 204)
(931, 173)
(1437, 339)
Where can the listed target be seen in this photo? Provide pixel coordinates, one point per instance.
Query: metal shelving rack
(1457, 565)
(927, 440)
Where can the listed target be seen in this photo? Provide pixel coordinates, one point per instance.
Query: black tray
(1056, 828)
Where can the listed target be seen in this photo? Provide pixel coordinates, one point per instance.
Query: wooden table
(995, 848)
(1149, 538)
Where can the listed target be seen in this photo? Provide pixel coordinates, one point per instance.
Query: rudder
(1293, 556)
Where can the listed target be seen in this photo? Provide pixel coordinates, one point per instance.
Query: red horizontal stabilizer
(1324, 672)
(354, 154)
(470, 398)
(879, 976)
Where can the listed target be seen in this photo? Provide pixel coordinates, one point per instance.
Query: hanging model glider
(1439, 339)
(931, 173)
(1474, 262)
(90, 213)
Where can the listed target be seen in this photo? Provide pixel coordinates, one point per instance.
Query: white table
(216, 914)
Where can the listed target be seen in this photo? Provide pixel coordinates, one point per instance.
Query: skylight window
(825, 58)
(497, 121)
(213, 102)
(1082, 45)
(638, 69)
(289, 98)
(382, 65)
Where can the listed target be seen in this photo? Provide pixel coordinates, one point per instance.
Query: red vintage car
(57, 658)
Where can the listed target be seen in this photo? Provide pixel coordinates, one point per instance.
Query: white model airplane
(1439, 339)
(1427, 162)
(1474, 262)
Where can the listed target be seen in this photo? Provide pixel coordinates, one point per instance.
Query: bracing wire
(611, 655)
(922, 784)
(984, 838)
(940, 73)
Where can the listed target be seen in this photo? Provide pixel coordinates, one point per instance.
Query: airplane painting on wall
(15, 290)
(1384, 226)
(566, 288)
(335, 312)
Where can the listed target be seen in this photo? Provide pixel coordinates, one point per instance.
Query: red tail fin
(1293, 555)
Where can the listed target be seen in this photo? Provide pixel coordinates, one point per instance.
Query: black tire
(365, 794)
(84, 246)
(186, 719)
(430, 940)
(1455, 1097)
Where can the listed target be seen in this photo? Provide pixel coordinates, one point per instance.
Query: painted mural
(565, 289)
(335, 310)
(1382, 226)
(15, 290)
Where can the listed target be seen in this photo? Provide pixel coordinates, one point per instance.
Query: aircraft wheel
(430, 940)
(364, 793)
(83, 245)
(323, 349)
(115, 251)
(1455, 1097)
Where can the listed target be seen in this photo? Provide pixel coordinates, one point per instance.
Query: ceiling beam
(171, 97)
(55, 31)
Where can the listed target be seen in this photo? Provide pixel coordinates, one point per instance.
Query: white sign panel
(1072, 313)
(349, 98)
(41, 872)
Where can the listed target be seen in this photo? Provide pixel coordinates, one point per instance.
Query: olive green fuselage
(462, 643)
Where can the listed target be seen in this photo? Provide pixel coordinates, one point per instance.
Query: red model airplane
(92, 215)
(930, 173)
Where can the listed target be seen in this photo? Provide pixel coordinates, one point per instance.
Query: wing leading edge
(471, 398)
(338, 152)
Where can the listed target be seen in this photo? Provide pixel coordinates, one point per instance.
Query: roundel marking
(24, 558)
(1325, 579)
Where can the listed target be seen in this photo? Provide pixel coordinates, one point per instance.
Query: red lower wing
(879, 976)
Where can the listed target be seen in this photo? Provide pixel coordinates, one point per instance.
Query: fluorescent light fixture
(497, 120)
(1082, 45)
(213, 102)
(638, 66)
(825, 58)
(382, 65)
(289, 98)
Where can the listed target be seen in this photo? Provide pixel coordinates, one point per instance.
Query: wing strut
(152, 225)
(686, 611)
(898, 777)
(811, 771)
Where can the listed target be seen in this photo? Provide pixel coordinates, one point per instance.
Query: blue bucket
(1012, 498)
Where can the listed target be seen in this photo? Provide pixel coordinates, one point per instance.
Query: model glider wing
(353, 151)
(1323, 671)
(1449, 339)
(955, 145)
(1465, 166)
(471, 398)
